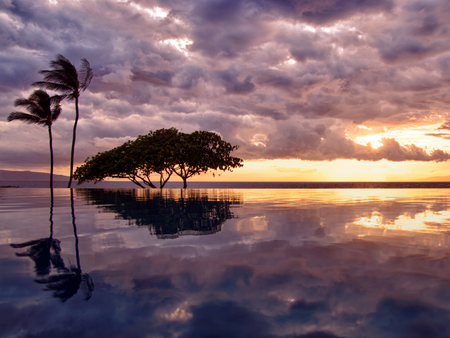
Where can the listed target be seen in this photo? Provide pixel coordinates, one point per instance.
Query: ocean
(239, 185)
(266, 263)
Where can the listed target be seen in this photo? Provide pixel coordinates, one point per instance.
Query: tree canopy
(164, 152)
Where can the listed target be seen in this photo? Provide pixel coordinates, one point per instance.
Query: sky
(322, 90)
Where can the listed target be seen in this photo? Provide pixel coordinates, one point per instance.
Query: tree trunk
(51, 156)
(74, 136)
(184, 182)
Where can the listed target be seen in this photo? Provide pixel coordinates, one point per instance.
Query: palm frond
(24, 117)
(86, 74)
(21, 102)
(53, 86)
(42, 108)
(55, 113)
(61, 76)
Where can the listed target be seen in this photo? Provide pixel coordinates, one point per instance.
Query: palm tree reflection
(45, 253)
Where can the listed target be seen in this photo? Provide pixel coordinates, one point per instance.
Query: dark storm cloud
(229, 79)
(243, 68)
(161, 78)
(319, 12)
(394, 49)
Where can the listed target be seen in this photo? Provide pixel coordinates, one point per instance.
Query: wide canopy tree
(43, 109)
(202, 151)
(163, 152)
(64, 78)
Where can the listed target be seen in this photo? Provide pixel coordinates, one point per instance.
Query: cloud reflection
(290, 264)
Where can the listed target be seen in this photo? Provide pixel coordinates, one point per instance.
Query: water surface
(225, 263)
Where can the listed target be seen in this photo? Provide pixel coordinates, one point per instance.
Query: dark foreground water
(225, 263)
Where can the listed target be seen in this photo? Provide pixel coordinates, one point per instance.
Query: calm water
(225, 263)
(238, 185)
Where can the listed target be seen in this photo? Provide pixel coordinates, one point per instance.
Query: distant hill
(7, 175)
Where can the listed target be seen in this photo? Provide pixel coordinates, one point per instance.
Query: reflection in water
(290, 264)
(46, 252)
(427, 221)
(168, 213)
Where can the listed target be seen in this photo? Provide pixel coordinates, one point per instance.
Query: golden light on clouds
(421, 136)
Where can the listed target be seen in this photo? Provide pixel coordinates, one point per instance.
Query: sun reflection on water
(427, 221)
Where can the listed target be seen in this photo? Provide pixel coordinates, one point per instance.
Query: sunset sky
(309, 90)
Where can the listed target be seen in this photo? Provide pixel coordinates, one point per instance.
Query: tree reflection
(45, 253)
(168, 213)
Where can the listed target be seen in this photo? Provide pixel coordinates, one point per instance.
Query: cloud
(229, 79)
(162, 78)
(318, 142)
(242, 68)
(445, 136)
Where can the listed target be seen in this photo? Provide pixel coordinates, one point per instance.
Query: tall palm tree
(64, 78)
(43, 110)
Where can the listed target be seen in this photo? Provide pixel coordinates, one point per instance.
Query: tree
(114, 163)
(43, 110)
(202, 151)
(164, 152)
(134, 160)
(64, 78)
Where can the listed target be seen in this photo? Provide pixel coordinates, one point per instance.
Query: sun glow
(156, 12)
(421, 136)
(179, 44)
(290, 62)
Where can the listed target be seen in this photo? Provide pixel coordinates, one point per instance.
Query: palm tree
(64, 78)
(43, 110)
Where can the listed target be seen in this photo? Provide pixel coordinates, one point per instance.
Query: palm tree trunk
(74, 136)
(51, 156)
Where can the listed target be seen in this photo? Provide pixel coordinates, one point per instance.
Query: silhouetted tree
(42, 109)
(134, 160)
(164, 151)
(200, 152)
(64, 78)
